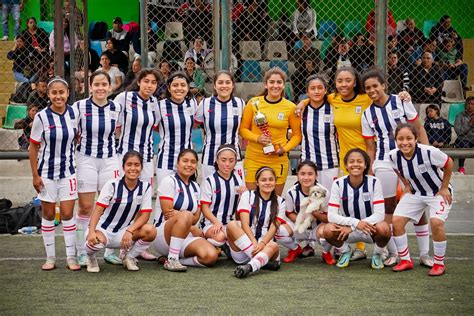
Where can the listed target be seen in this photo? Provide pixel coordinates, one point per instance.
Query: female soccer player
(52, 161)
(121, 215)
(356, 210)
(97, 161)
(220, 195)
(175, 119)
(420, 167)
(177, 210)
(220, 116)
(307, 173)
(379, 122)
(269, 149)
(251, 236)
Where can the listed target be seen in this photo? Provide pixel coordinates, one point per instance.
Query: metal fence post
(86, 47)
(381, 8)
(58, 38)
(72, 54)
(225, 34)
(143, 32)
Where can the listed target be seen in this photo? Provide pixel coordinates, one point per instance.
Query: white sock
(138, 247)
(326, 246)
(192, 262)
(423, 239)
(214, 242)
(175, 247)
(92, 249)
(377, 250)
(258, 261)
(439, 251)
(82, 223)
(402, 246)
(47, 230)
(391, 247)
(108, 251)
(283, 237)
(69, 231)
(245, 245)
(343, 248)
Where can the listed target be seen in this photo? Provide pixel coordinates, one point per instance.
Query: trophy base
(268, 149)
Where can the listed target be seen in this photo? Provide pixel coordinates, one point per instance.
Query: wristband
(129, 231)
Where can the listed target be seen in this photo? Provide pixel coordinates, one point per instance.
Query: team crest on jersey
(366, 196)
(422, 168)
(281, 116)
(395, 113)
(327, 118)
(236, 111)
(358, 109)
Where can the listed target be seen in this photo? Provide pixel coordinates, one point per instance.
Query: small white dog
(315, 201)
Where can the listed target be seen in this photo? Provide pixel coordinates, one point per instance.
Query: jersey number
(73, 185)
(441, 211)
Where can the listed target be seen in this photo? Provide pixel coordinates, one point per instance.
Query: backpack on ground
(12, 219)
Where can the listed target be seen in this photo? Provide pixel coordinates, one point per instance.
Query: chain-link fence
(302, 37)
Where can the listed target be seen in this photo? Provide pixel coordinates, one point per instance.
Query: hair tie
(226, 148)
(262, 170)
(57, 79)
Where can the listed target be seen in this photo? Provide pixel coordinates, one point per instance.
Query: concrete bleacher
(7, 82)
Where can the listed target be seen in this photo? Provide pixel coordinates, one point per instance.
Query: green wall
(106, 10)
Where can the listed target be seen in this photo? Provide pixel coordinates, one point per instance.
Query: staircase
(7, 82)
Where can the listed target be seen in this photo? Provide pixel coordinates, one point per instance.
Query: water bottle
(28, 230)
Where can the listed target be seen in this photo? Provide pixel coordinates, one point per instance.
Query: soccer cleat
(358, 255)
(272, 265)
(174, 265)
(437, 270)
(148, 256)
(308, 251)
(328, 259)
(130, 263)
(242, 271)
(403, 265)
(49, 265)
(377, 263)
(82, 260)
(226, 249)
(426, 261)
(72, 265)
(344, 259)
(293, 254)
(113, 259)
(391, 260)
(92, 264)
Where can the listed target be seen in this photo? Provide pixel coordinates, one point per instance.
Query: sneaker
(391, 260)
(147, 256)
(272, 265)
(174, 265)
(49, 265)
(71, 264)
(437, 270)
(130, 263)
(377, 263)
(113, 259)
(82, 260)
(426, 261)
(92, 264)
(344, 259)
(328, 259)
(5, 38)
(385, 254)
(293, 254)
(403, 265)
(462, 171)
(226, 249)
(358, 255)
(242, 271)
(308, 251)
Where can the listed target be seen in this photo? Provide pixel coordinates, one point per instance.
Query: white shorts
(160, 244)
(308, 235)
(207, 170)
(327, 177)
(413, 206)
(161, 174)
(147, 171)
(388, 178)
(93, 173)
(113, 239)
(358, 235)
(59, 190)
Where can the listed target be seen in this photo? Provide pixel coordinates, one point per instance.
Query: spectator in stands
(337, 56)
(303, 20)
(39, 96)
(116, 56)
(67, 44)
(428, 46)
(437, 128)
(392, 44)
(116, 76)
(443, 30)
(121, 35)
(398, 74)
(298, 79)
(197, 52)
(253, 23)
(361, 54)
(37, 42)
(13, 7)
(164, 68)
(21, 61)
(306, 52)
(464, 127)
(410, 38)
(197, 76)
(370, 25)
(427, 81)
(133, 71)
(451, 62)
(25, 124)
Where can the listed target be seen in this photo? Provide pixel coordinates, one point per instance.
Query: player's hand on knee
(92, 238)
(446, 195)
(366, 227)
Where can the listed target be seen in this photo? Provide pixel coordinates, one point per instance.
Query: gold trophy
(262, 123)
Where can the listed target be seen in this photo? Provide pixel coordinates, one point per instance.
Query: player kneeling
(121, 215)
(356, 211)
